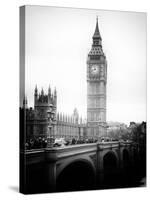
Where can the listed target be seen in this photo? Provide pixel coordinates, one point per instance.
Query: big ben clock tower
(96, 87)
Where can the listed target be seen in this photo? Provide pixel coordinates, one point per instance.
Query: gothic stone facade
(63, 125)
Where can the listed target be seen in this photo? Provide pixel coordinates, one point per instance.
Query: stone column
(51, 177)
(121, 158)
(131, 155)
(100, 169)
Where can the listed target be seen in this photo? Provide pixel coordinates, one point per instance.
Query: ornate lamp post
(50, 114)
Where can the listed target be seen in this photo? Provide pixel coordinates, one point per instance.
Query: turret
(25, 103)
(35, 95)
(42, 92)
(49, 94)
(76, 115)
(36, 90)
(49, 91)
(55, 97)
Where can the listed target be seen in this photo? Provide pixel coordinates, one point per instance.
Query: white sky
(57, 43)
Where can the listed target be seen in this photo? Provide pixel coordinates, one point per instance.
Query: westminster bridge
(79, 167)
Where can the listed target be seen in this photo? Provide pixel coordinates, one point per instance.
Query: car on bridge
(60, 142)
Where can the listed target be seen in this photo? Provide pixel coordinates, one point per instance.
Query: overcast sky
(57, 43)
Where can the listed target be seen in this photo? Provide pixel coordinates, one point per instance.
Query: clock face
(94, 69)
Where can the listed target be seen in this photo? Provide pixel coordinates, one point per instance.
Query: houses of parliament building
(95, 126)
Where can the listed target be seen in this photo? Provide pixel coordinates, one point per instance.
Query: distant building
(116, 126)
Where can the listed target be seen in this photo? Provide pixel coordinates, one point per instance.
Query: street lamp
(50, 114)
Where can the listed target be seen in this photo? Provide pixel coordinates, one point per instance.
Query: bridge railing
(41, 141)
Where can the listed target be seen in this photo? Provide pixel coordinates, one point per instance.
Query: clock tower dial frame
(94, 70)
(96, 87)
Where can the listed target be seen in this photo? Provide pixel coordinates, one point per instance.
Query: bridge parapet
(33, 156)
(128, 143)
(56, 153)
(107, 145)
(68, 151)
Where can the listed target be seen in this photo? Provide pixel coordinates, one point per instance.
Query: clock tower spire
(96, 87)
(97, 37)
